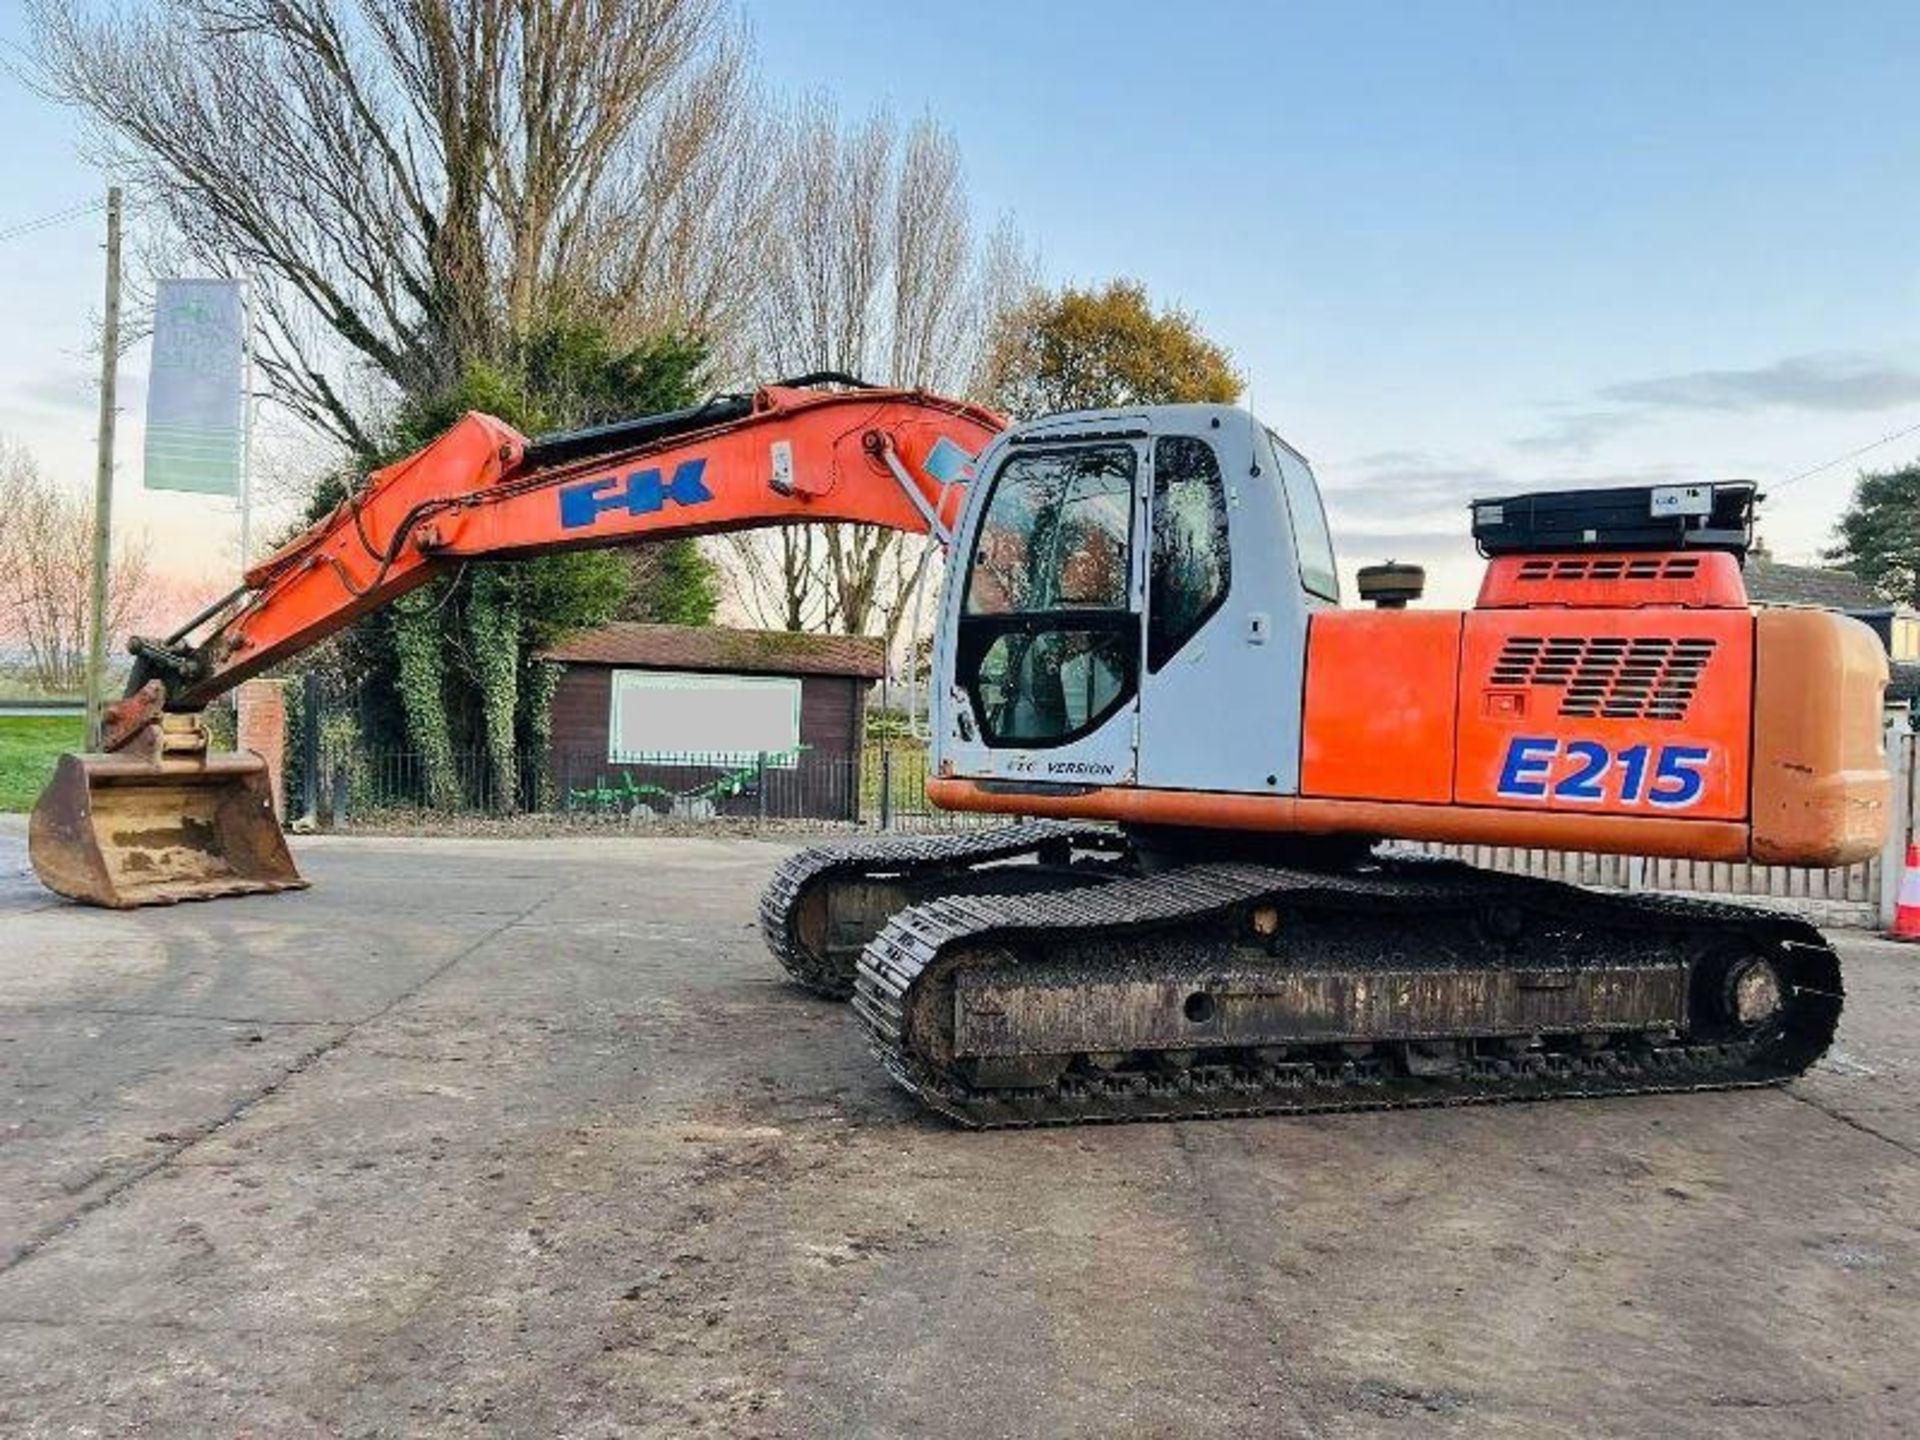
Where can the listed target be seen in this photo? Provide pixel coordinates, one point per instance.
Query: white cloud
(1838, 381)
(1833, 382)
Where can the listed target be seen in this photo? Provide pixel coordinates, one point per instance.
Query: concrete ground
(528, 1138)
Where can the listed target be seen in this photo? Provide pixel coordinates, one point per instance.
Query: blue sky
(1464, 246)
(1457, 248)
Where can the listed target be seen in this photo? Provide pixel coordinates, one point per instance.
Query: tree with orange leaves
(1095, 349)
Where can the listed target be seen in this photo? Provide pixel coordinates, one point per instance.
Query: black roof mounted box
(1714, 515)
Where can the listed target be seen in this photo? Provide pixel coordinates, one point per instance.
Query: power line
(58, 217)
(1842, 459)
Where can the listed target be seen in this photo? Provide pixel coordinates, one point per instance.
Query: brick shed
(678, 717)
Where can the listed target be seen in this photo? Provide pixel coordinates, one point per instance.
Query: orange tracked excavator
(1141, 645)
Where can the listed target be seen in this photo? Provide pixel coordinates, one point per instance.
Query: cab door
(1045, 622)
(1233, 518)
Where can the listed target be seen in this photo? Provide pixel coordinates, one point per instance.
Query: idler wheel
(1754, 993)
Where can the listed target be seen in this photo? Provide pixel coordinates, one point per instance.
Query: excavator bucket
(122, 830)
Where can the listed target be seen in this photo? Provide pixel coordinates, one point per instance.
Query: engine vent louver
(1610, 567)
(1605, 677)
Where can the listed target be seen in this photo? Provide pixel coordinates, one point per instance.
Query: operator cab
(1121, 567)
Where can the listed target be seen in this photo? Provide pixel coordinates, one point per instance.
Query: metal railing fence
(880, 787)
(1846, 885)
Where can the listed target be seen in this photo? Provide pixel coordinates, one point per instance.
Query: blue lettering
(1678, 781)
(1584, 782)
(581, 504)
(641, 493)
(1679, 772)
(1524, 775)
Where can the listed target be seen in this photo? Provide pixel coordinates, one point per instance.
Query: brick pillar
(260, 709)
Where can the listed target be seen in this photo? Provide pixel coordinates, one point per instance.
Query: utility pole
(103, 479)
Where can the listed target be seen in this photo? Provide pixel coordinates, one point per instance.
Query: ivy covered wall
(451, 669)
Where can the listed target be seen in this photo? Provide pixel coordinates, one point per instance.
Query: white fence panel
(1849, 894)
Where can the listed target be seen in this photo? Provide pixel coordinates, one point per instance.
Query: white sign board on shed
(720, 719)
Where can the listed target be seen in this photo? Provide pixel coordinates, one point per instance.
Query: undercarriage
(1049, 974)
(824, 904)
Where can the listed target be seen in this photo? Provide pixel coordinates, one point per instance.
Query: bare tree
(17, 473)
(875, 269)
(777, 578)
(409, 184)
(46, 570)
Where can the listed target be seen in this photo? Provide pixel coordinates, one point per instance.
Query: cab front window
(1048, 639)
(1056, 534)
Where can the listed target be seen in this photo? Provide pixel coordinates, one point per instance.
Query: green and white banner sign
(196, 394)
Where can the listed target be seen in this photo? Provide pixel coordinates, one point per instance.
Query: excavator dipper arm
(158, 819)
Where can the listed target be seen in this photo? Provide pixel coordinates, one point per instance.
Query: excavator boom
(895, 458)
(156, 819)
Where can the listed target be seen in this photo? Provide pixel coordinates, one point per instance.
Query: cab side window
(1312, 543)
(1192, 563)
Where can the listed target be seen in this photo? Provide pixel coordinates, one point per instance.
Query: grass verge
(29, 744)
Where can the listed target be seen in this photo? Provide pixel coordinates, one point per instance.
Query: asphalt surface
(526, 1137)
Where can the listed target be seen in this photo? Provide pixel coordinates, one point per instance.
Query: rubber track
(888, 855)
(911, 950)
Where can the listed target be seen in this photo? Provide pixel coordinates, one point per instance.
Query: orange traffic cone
(1906, 906)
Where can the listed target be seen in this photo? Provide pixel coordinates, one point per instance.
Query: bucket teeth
(123, 831)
